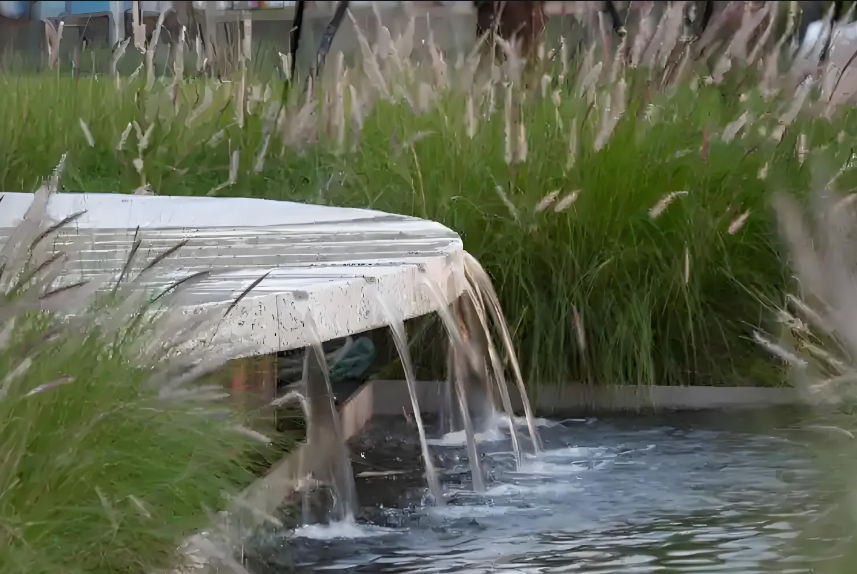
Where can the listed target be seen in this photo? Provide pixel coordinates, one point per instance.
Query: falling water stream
(486, 288)
(465, 374)
(326, 428)
(454, 331)
(497, 370)
(397, 327)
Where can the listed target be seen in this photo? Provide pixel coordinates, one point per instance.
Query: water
(325, 428)
(461, 353)
(682, 493)
(397, 327)
(485, 288)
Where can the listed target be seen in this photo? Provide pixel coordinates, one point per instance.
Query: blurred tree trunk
(523, 20)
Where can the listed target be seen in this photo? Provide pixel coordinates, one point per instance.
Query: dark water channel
(703, 492)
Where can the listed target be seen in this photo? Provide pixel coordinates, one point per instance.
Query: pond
(695, 492)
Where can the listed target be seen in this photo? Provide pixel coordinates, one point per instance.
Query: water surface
(701, 492)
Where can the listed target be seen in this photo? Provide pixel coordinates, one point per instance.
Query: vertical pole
(295, 35)
(117, 23)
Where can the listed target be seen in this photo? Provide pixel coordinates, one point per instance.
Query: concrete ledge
(594, 399)
(391, 397)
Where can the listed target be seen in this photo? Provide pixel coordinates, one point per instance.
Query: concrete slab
(334, 262)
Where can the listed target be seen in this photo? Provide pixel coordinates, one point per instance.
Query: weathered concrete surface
(334, 262)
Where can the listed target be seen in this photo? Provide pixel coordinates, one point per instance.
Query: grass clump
(108, 461)
(623, 213)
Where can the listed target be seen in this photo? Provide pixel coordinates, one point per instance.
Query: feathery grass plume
(750, 22)
(471, 64)
(578, 329)
(617, 69)
(808, 57)
(240, 96)
(135, 73)
(793, 109)
(438, 66)
(686, 264)
(513, 211)
(509, 154)
(405, 42)
(86, 133)
(53, 37)
(339, 108)
(572, 145)
(611, 116)
(234, 162)
(247, 39)
(738, 222)
(356, 117)
(787, 356)
(655, 47)
(672, 30)
(370, 62)
(200, 55)
(470, 116)
(772, 9)
(144, 190)
(118, 52)
(732, 128)
(646, 33)
(587, 85)
(513, 64)
(665, 202)
(151, 47)
(801, 148)
(547, 201)
(286, 65)
(566, 201)
(721, 68)
(521, 144)
(425, 98)
(178, 66)
(207, 100)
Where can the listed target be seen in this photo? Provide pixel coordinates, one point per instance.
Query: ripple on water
(627, 495)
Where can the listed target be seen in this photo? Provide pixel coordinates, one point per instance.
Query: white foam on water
(470, 511)
(572, 452)
(522, 421)
(459, 438)
(341, 530)
(496, 430)
(543, 468)
(543, 489)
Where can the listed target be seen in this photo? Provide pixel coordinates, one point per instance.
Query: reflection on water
(684, 493)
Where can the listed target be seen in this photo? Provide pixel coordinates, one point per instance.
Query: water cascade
(484, 286)
(397, 328)
(474, 368)
(497, 371)
(462, 352)
(325, 431)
